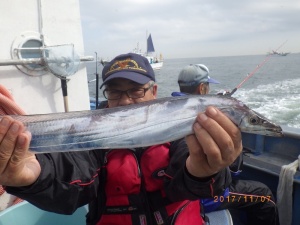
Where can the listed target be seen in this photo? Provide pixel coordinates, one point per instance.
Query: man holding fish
(160, 184)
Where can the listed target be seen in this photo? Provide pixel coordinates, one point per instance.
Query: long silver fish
(138, 125)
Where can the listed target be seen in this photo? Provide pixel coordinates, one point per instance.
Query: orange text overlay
(242, 198)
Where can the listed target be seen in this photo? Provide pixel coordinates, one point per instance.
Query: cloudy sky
(191, 28)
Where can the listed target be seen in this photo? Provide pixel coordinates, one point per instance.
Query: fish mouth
(273, 129)
(268, 128)
(276, 132)
(270, 131)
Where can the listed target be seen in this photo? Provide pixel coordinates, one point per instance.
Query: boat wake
(279, 101)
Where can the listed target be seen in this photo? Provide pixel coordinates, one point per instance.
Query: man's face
(120, 84)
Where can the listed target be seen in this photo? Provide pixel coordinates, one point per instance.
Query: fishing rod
(254, 71)
(97, 84)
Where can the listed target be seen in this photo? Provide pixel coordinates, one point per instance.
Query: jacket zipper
(138, 153)
(143, 191)
(133, 150)
(178, 211)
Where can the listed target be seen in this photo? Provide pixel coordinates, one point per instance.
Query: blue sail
(150, 47)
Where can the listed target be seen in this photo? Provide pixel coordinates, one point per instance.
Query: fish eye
(254, 120)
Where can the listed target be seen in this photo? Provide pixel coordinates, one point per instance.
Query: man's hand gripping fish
(145, 124)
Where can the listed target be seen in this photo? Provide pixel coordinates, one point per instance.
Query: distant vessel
(104, 62)
(278, 53)
(155, 62)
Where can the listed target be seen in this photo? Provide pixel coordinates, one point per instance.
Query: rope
(8, 106)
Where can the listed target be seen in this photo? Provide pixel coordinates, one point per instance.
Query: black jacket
(72, 179)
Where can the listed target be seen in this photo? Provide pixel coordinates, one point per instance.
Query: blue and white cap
(194, 74)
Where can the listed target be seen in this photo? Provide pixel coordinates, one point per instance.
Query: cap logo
(122, 64)
(126, 64)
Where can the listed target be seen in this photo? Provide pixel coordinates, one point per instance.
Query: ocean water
(273, 90)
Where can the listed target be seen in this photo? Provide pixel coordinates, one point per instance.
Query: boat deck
(264, 157)
(269, 162)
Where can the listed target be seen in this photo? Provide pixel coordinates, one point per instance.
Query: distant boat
(278, 53)
(155, 62)
(104, 62)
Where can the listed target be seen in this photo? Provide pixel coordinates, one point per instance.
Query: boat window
(25, 51)
(31, 52)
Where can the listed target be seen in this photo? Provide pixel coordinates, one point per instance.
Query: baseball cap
(130, 66)
(194, 74)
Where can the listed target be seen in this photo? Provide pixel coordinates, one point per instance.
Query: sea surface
(268, 85)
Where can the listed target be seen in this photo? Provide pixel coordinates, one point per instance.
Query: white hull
(19, 21)
(154, 62)
(157, 66)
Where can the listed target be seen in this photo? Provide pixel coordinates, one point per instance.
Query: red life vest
(135, 193)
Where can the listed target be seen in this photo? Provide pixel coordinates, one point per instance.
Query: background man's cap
(194, 74)
(129, 66)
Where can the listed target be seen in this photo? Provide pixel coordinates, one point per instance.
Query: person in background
(241, 194)
(194, 79)
(158, 184)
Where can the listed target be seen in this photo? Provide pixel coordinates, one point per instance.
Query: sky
(190, 28)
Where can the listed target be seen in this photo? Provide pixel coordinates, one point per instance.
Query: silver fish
(138, 125)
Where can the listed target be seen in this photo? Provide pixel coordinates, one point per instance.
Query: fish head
(256, 123)
(250, 121)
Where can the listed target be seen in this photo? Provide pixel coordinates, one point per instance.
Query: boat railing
(275, 161)
(271, 153)
(60, 60)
